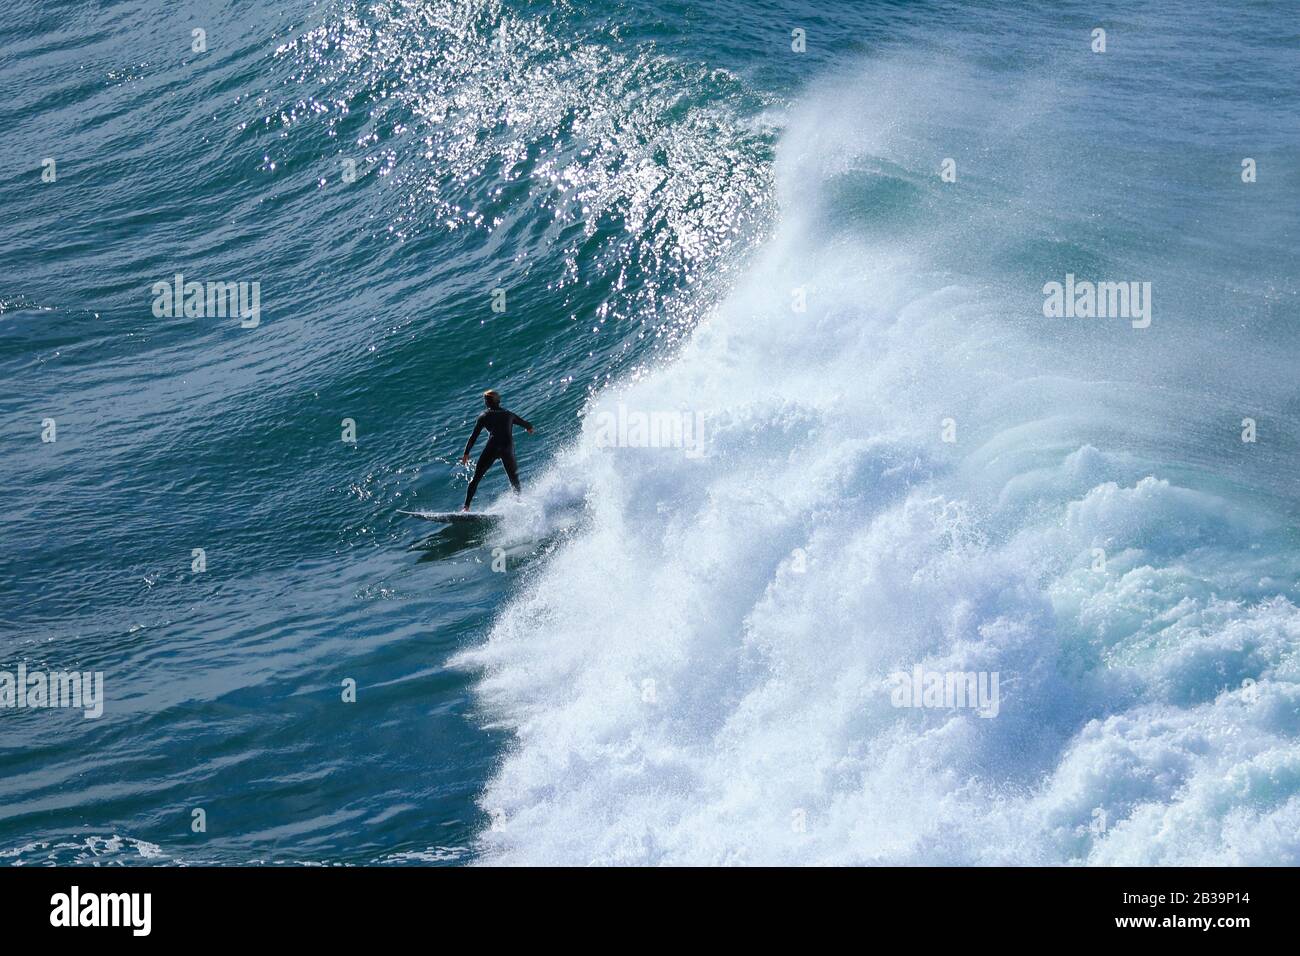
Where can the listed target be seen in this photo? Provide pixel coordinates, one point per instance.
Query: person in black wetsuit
(500, 444)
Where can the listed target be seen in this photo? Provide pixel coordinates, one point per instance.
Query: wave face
(705, 674)
(597, 180)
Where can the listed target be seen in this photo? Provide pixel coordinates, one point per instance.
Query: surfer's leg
(484, 463)
(512, 470)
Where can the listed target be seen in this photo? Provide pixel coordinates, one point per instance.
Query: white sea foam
(701, 675)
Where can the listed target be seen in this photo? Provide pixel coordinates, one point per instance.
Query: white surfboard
(453, 517)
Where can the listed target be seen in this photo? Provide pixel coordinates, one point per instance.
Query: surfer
(500, 424)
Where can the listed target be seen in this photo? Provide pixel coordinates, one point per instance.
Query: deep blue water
(682, 654)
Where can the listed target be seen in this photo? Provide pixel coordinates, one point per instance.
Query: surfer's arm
(469, 445)
(521, 423)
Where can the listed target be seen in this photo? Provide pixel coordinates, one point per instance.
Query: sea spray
(913, 468)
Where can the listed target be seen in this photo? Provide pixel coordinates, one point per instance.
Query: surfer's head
(492, 398)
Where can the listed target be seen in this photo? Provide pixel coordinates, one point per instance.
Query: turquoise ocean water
(658, 657)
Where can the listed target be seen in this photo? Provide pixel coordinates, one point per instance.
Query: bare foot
(465, 509)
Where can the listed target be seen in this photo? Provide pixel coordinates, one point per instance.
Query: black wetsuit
(501, 444)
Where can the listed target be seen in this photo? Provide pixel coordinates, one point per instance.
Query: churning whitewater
(916, 471)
